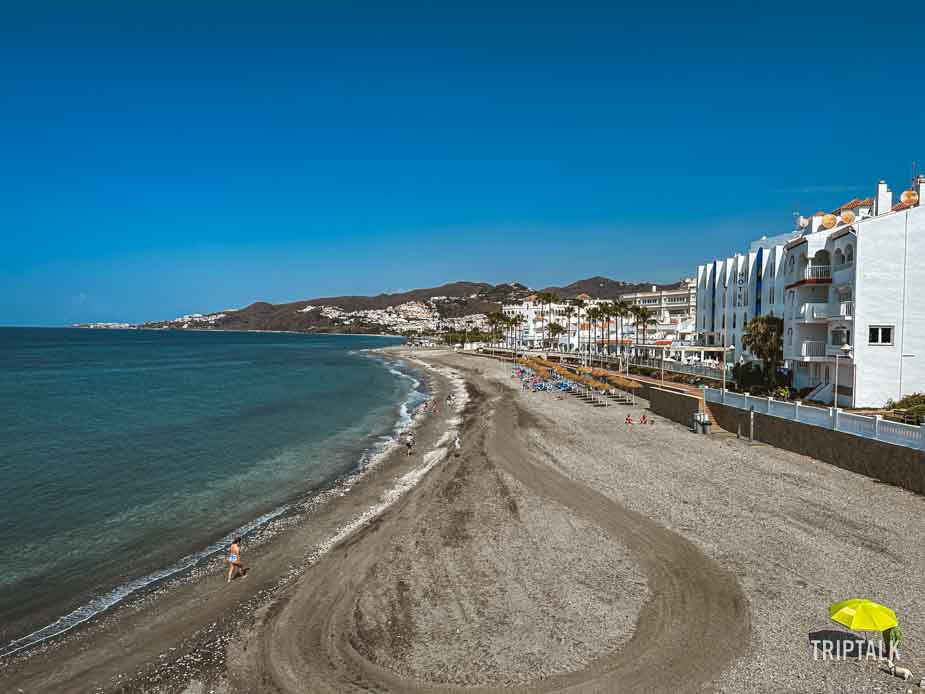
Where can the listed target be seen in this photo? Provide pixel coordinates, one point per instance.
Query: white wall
(890, 290)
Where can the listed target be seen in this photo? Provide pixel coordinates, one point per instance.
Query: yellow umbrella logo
(859, 614)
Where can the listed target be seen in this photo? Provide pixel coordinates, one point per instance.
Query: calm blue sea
(122, 452)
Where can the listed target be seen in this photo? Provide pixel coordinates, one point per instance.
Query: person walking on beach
(456, 444)
(235, 564)
(409, 443)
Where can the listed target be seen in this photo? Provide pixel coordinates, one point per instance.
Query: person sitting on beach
(235, 564)
(644, 420)
(629, 419)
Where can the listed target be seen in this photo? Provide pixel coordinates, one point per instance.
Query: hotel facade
(671, 306)
(848, 285)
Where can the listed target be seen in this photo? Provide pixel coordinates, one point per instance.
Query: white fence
(827, 417)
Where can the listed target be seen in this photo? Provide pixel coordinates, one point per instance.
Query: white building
(733, 290)
(672, 304)
(853, 277)
(671, 307)
(860, 283)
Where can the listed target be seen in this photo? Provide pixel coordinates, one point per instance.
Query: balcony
(812, 348)
(819, 350)
(846, 309)
(813, 312)
(815, 274)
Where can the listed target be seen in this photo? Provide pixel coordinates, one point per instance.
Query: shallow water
(122, 452)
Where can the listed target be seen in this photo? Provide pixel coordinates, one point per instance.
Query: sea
(128, 456)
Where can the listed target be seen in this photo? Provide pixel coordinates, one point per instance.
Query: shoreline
(557, 551)
(258, 531)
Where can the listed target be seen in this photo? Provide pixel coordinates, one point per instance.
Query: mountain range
(389, 312)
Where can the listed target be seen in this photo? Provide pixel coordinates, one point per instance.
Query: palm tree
(609, 311)
(494, 319)
(516, 321)
(594, 315)
(543, 299)
(641, 314)
(622, 310)
(550, 298)
(579, 305)
(764, 337)
(568, 313)
(555, 330)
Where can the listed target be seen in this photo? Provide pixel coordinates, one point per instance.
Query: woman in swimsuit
(234, 560)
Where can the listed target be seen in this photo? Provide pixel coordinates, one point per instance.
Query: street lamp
(730, 348)
(663, 365)
(843, 351)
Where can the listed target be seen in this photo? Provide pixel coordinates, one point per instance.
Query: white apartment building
(853, 277)
(667, 304)
(731, 291)
(671, 307)
(537, 317)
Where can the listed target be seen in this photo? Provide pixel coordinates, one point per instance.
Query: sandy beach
(558, 550)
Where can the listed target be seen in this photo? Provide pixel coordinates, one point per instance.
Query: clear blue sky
(180, 157)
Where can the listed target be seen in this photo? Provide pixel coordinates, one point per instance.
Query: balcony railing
(811, 348)
(817, 272)
(813, 312)
(846, 309)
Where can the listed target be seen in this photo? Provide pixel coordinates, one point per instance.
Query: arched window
(789, 336)
(839, 257)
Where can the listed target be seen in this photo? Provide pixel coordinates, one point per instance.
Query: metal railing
(811, 348)
(615, 361)
(817, 272)
(875, 427)
(814, 312)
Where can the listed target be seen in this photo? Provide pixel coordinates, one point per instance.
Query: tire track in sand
(695, 622)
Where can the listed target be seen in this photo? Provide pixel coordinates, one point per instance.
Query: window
(841, 336)
(733, 321)
(744, 320)
(771, 294)
(849, 254)
(880, 335)
(789, 336)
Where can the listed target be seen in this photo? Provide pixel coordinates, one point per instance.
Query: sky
(158, 159)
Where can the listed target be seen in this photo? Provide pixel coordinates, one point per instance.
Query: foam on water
(374, 455)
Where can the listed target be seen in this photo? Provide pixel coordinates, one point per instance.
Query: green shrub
(907, 403)
(893, 636)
